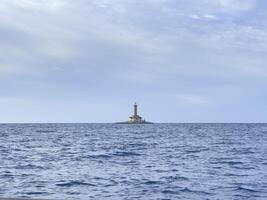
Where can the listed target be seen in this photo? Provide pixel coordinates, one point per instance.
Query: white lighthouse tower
(135, 118)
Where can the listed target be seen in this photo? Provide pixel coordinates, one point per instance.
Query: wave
(153, 182)
(175, 178)
(36, 193)
(196, 150)
(29, 166)
(45, 131)
(100, 156)
(237, 175)
(74, 183)
(170, 192)
(228, 162)
(240, 188)
(187, 190)
(243, 167)
(126, 153)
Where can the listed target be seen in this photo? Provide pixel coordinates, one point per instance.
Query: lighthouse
(135, 118)
(135, 109)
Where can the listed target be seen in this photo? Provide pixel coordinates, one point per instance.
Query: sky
(90, 60)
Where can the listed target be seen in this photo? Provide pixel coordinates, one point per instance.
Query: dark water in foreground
(160, 161)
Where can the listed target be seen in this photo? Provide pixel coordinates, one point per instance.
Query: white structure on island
(135, 118)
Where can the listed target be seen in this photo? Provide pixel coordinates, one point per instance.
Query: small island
(135, 118)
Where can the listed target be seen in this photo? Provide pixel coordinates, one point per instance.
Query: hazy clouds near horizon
(90, 60)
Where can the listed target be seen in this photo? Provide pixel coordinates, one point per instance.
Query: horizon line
(2, 123)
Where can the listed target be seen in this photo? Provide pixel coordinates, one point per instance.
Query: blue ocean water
(112, 161)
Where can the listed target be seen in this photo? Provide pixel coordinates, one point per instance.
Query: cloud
(193, 99)
(149, 32)
(237, 4)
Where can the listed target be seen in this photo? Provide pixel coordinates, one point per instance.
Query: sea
(124, 162)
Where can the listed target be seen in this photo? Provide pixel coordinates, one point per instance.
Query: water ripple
(74, 183)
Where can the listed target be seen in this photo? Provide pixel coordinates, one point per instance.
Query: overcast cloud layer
(90, 60)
